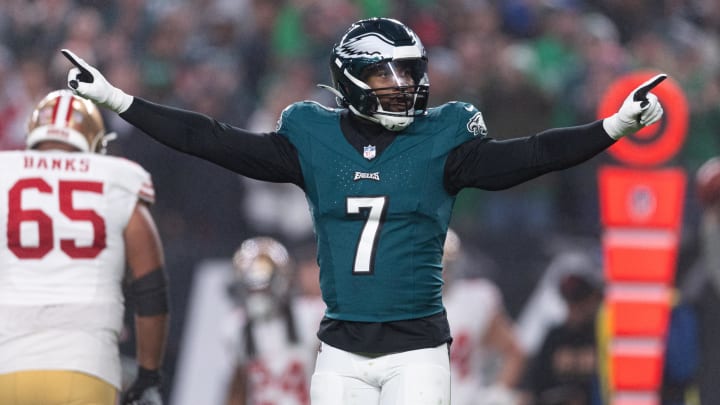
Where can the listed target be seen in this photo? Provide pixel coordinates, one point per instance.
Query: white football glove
(640, 109)
(86, 81)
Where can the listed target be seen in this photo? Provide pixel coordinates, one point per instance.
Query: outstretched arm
(491, 164)
(268, 157)
(494, 165)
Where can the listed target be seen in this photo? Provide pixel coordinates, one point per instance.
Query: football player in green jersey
(381, 173)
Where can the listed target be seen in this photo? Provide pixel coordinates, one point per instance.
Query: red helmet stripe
(62, 111)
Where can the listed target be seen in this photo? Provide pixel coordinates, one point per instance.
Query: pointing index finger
(85, 75)
(642, 92)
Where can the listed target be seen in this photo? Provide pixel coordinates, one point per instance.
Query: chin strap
(339, 98)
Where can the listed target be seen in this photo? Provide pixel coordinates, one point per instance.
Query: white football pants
(416, 377)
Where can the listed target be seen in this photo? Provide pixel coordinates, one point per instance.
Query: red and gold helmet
(64, 117)
(262, 264)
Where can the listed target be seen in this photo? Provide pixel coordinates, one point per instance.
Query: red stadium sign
(657, 143)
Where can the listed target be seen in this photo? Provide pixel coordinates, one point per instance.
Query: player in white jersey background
(272, 332)
(486, 358)
(72, 220)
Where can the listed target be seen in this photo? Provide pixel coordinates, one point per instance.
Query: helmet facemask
(396, 105)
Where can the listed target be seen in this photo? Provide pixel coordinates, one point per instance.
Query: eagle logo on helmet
(372, 45)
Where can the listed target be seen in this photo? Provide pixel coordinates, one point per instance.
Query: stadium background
(526, 64)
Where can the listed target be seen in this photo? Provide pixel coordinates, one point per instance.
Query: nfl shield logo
(369, 152)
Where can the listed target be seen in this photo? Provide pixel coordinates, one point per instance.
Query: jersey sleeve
(136, 180)
(287, 121)
(297, 120)
(470, 121)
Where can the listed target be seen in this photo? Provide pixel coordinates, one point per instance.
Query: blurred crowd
(526, 64)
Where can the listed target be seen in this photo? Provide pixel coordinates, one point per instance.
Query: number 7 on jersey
(375, 208)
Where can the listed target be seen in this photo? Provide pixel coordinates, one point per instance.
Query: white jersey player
(70, 221)
(486, 359)
(273, 333)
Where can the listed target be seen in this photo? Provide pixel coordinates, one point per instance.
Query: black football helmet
(388, 46)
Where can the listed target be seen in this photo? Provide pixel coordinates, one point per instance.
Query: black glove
(145, 390)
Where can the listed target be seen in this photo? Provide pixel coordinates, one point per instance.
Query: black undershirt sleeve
(491, 164)
(262, 156)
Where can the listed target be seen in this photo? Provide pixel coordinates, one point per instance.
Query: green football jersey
(380, 220)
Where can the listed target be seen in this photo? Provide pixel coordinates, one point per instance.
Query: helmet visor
(395, 73)
(400, 87)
